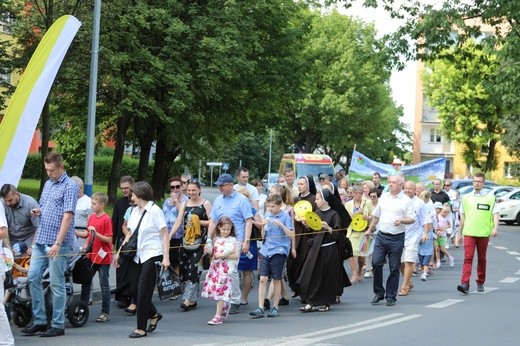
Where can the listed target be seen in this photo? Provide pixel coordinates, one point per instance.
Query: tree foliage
(461, 88)
(344, 97)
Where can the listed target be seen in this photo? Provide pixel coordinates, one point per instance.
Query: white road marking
(331, 333)
(445, 303)
(518, 272)
(509, 280)
(518, 258)
(298, 341)
(500, 247)
(514, 253)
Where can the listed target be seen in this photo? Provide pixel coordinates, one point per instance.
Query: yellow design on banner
(23, 112)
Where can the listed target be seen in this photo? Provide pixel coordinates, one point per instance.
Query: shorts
(249, 264)
(410, 254)
(440, 241)
(273, 266)
(425, 259)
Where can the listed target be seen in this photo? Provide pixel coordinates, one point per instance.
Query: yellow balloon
(313, 220)
(358, 224)
(301, 208)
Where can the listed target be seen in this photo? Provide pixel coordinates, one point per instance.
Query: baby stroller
(19, 302)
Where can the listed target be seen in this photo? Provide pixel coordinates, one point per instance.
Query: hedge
(102, 168)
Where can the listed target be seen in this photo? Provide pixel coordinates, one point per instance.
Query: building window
(435, 136)
(7, 21)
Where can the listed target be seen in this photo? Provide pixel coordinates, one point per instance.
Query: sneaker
(52, 332)
(415, 273)
(480, 288)
(258, 313)
(438, 264)
(283, 302)
(216, 320)
(447, 246)
(463, 288)
(430, 273)
(424, 276)
(233, 309)
(368, 274)
(452, 261)
(274, 312)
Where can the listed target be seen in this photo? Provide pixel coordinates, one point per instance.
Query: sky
(401, 82)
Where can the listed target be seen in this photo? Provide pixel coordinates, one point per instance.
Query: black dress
(323, 277)
(301, 238)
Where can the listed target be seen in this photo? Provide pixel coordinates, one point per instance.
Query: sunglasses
(447, 184)
(321, 178)
(173, 187)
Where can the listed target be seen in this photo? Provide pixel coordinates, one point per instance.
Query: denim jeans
(57, 266)
(102, 270)
(391, 246)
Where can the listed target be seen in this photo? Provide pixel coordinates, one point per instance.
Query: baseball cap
(437, 205)
(224, 179)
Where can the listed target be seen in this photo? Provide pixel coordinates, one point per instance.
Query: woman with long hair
(193, 218)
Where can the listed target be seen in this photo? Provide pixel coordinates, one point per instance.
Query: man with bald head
(392, 214)
(414, 234)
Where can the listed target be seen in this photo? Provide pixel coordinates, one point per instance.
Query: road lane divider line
(444, 303)
(486, 290)
(509, 280)
(299, 341)
(500, 247)
(514, 253)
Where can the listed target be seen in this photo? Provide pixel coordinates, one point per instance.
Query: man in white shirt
(414, 234)
(393, 212)
(243, 180)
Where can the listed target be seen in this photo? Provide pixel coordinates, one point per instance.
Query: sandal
(403, 292)
(152, 326)
(307, 308)
(324, 308)
(410, 286)
(103, 317)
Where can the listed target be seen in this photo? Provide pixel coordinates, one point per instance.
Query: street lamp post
(91, 119)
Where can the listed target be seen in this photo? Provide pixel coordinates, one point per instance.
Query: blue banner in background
(361, 168)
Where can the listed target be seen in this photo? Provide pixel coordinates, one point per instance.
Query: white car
(513, 194)
(509, 210)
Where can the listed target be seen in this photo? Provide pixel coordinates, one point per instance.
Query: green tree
(344, 98)
(461, 89)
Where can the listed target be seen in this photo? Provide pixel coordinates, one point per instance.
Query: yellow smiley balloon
(301, 209)
(358, 223)
(313, 220)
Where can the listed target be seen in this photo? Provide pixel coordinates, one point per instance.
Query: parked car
(513, 194)
(458, 183)
(498, 191)
(269, 180)
(509, 210)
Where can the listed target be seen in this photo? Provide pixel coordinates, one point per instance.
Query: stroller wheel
(21, 315)
(77, 313)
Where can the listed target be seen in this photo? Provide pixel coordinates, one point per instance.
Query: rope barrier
(180, 246)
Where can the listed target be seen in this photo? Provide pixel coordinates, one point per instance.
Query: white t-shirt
(82, 212)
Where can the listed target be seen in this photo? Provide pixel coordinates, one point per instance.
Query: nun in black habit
(323, 276)
(307, 192)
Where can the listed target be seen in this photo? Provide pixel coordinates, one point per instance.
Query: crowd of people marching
(361, 225)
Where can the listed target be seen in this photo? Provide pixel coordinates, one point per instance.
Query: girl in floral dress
(217, 284)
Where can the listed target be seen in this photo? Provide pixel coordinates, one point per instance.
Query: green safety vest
(478, 215)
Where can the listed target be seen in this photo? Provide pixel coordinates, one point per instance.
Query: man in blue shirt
(54, 240)
(238, 208)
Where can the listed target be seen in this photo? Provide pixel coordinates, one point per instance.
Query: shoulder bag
(129, 249)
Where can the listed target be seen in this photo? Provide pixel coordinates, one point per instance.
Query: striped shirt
(58, 198)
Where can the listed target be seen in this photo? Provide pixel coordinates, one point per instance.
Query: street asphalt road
(434, 313)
